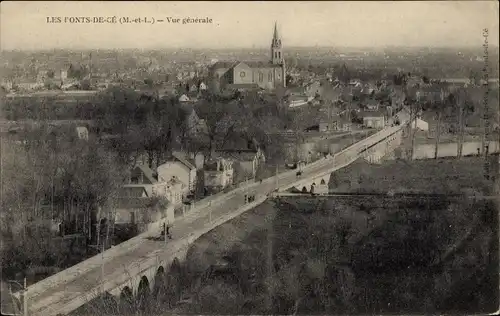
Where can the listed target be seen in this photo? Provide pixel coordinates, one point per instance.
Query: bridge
(144, 264)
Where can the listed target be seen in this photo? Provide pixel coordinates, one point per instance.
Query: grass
(431, 176)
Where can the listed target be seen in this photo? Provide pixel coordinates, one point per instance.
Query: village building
(218, 174)
(374, 119)
(181, 168)
(266, 75)
(247, 154)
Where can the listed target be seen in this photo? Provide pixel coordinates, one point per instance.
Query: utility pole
(276, 176)
(102, 264)
(413, 124)
(270, 266)
(165, 234)
(460, 106)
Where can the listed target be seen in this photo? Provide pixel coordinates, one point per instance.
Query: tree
(149, 82)
(53, 176)
(222, 120)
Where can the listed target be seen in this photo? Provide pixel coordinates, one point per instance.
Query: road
(47, 302)
(52, 298)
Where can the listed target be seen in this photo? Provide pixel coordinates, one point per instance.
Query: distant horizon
(247, 48)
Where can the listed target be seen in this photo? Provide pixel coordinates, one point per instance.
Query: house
(246, 153)
(141, 176)
(195, 126)
(373, 119)
(202, 86)
(313, 89)
(337, 123)
(82, 132)
(432, 94)
(141, 211)
(296, 100)
(218, 174)
(132, 190)
(371, 105)
(175, 191)
(184, 98)
(145, 184)
(181, 168)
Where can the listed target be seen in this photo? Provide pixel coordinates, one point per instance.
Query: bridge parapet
(374, 147)
(145, 269)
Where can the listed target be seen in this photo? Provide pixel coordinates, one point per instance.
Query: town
(107, 152)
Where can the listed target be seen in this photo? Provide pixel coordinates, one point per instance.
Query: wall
(427, 151)
(174, 168)
(237, 70)
(218, 178)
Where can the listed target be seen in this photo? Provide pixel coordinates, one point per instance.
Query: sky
(24, 25)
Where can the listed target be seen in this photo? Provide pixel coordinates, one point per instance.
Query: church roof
(224, 64)
(251, 64)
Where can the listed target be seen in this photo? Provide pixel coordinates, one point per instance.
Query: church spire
(276, 48)
(275, 35)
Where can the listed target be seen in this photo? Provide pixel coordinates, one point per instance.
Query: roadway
(52, 298)
(46, 302)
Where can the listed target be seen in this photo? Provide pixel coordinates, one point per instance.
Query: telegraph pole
(276, 176)
(460, 106)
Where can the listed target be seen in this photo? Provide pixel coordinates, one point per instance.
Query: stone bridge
(373, 149)
(144, 264)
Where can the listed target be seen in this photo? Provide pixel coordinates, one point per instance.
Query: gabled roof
(236, 155)
(224, 64)
(148, 173)
(179, 156)
(134, 203)
(366, 114)
(132, 191)
(251, 64)
(138, 188)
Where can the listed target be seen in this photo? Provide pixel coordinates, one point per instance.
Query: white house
(184, 98)
(375, 119)
(82, 132)
(181, 168)
(218, 174)
(174, 191)
(141, 211)
(203, 86)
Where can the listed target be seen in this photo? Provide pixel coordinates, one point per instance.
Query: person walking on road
(166, 230)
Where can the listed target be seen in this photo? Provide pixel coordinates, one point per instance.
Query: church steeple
(275, 35)
(276, 48)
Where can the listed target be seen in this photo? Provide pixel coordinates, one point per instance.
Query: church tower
(276, 48)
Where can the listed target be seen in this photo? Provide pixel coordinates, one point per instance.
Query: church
(236, 75)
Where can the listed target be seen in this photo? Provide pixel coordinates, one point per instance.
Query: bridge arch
(126, 303)
(159, 282)
(173, 282)
(143, 293)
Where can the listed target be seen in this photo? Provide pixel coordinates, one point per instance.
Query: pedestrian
(168, 231)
